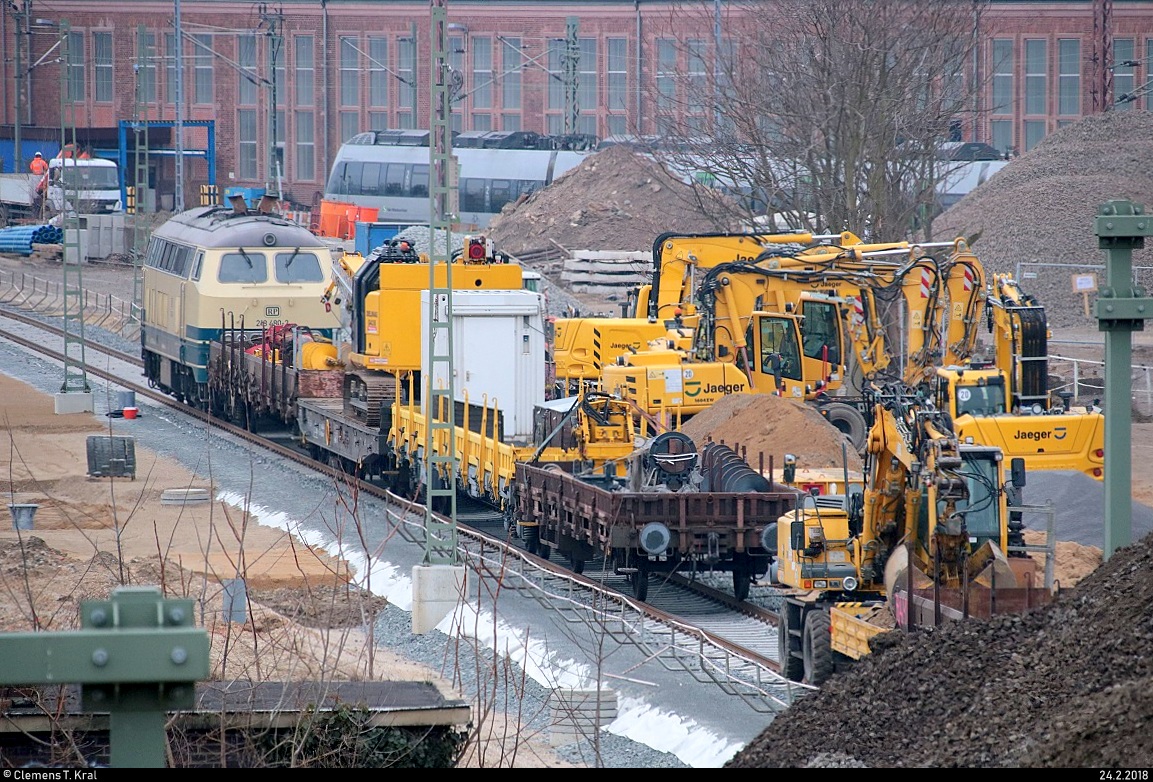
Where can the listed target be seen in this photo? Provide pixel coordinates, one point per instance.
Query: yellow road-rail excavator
(1003, 399)
(929, 537)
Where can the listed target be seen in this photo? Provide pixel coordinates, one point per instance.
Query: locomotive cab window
(243, 266)
(298, 267)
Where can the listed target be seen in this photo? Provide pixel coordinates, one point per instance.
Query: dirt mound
(757, 424)
(1060, 686)
(616, 199)
(1041, 208)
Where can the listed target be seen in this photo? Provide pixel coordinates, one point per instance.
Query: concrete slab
(436, 590)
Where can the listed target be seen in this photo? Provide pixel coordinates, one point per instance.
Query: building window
(1149, 74)
(1036, 79)
(698, 76)
(305, 70)
(349, 72)
(1068, 76)
(482, 76)
(1034, 132)
(1001, 131)
(587, 83)
(510, 122)
(556, 51)
(247, 77)
(618, 74)
(146, 66)
(1124, 76)
(248, 144)
(102, 65)
(170, 66)
(75, 66)
(666, 73)
(349, 125)
(407, 71)
(1002, 76)
(615, 125)
(305, 147)
(378, 75)
(203, 69)
(511, 65)
(482, 122)
(378, 120)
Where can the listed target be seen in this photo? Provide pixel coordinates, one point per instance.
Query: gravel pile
(1041, 208)
(1066, 685)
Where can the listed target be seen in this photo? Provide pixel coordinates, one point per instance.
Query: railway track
(687, 626)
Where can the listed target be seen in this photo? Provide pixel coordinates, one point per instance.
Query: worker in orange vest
(38, 166)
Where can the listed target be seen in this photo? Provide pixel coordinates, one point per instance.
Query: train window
(372, 179)
(394, 184)
(336, 182)
(155, 251)
(472, 195)
(501, 193)
(298, 267)
(419, 181)
(353, 179)
(180, 258)
(243, 266)
(197, 265)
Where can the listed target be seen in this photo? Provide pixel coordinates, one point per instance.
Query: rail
(103, 310)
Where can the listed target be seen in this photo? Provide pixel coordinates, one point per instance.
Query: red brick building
(343, 66)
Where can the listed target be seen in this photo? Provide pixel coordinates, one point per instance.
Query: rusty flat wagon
(680, 511)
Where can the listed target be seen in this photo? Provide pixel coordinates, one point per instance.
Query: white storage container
(498, 351)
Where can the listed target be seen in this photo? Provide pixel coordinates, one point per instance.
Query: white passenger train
(388, 170)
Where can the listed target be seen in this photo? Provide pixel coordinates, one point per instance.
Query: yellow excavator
(665, 308)
(793, 324)
(929, 536)
(1004, 399)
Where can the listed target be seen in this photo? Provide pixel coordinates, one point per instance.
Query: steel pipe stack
(18, 239)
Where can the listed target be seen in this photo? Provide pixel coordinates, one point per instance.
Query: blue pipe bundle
(18, 239)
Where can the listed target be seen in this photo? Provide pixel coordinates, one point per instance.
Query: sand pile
(756, 424)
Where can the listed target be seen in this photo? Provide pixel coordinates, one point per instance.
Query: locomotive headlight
(850, 583)
(655, 538)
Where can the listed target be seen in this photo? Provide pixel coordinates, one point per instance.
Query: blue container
(252, 195)
(369, 236)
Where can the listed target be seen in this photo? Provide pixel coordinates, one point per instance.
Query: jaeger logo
(625, 346)
(1037, 436)
(695, 388)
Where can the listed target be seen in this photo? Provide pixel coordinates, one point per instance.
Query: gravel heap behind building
(1041, 208)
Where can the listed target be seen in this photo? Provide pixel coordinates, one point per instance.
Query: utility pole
(571, 63)
(144, 61)
(75, 394)
(274, 23)
(438, 582)
(178, 196)
(18, 156)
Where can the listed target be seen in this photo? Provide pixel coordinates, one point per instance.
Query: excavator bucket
(989, 567)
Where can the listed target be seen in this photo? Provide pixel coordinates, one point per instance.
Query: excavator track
(365, 395)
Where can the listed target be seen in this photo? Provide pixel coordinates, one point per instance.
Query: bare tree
(831, 114)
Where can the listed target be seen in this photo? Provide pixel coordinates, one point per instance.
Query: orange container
(130, 412)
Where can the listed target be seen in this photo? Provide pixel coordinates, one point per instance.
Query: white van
(94, 183)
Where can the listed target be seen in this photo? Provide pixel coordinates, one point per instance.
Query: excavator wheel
(817, 648)
(787, 645)
(850, 421)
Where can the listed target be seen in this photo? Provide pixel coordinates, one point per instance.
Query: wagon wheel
(639, 579)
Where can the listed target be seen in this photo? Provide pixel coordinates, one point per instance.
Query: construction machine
(1003, 399)
(929, 537)
(797, 324)
(664, 308)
